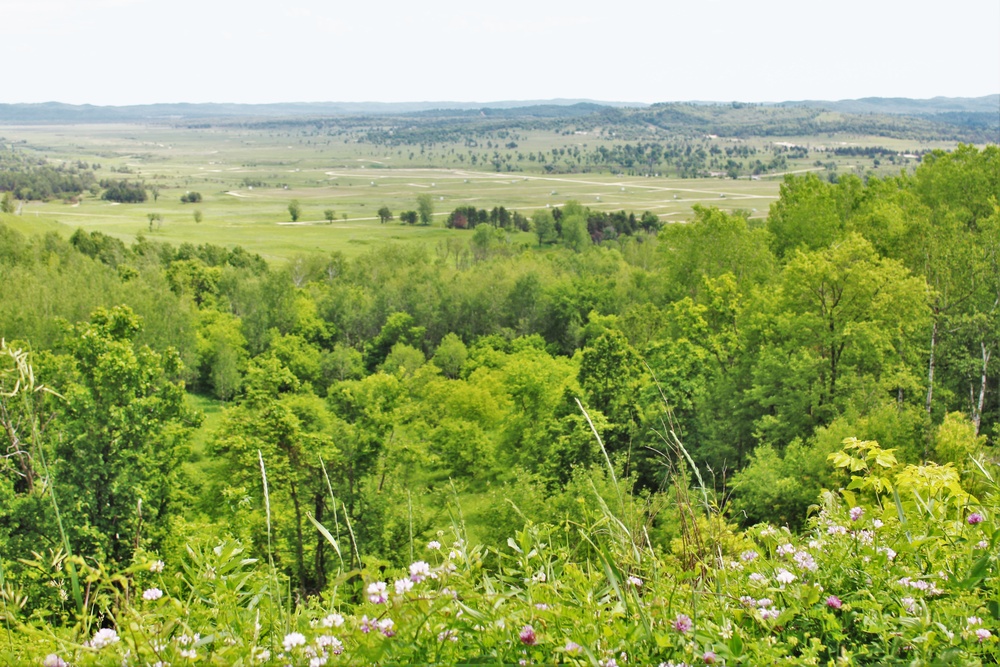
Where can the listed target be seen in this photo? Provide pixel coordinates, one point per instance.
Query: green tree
(450, 355)
(805, 216)
(198, 215)
(384, 214)
(544, 226)
(7, 203)
(123, 426)
(409, 217)
(425, 208)
(295, 210)
(847, 324)
(329, 214)
(289, 428)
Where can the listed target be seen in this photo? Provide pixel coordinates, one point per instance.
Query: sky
(121, 52)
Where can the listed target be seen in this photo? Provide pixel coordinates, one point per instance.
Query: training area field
(248, 176)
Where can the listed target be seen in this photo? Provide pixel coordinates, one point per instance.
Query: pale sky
(118, 52)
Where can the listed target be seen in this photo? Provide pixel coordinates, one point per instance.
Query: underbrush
(900, 568)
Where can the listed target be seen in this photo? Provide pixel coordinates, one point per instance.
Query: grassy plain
(248, 177)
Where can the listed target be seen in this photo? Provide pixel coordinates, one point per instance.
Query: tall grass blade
(607, 459)
(273, 587)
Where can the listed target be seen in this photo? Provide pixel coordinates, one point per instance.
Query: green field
(248, 177)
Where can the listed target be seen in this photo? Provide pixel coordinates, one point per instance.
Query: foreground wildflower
(683, 624)
(376, 592)
(784, 577)
(527, 636)
(833, 602)
(975, 518)
(152, 594)
(103, 637)
(419, 571)
(293, 639)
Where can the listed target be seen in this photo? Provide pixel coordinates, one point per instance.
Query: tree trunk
(300, 560)
(977, 414)
(930, 367)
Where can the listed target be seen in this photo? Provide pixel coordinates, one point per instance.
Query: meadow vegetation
(555, 430)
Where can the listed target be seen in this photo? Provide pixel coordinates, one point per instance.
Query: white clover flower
(104, 637)
(877, 523)
(333, 621)
(434, 545)
(53, 660)
(635, 581)
(376, 592)
(318, 661)
(403, 585)
(983, 634)
(152, 594)
(785, 549)
(293, 639)
(784, 576)
(419, 571)
(539, 576)
(261, 654)
(804, 560)
(757, 577)
(974, 620)
(189, 653)
(156, 566)
(749, 555)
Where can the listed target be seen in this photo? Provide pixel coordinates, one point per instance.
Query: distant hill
(906, 106)
(974, 120)
(57, 112)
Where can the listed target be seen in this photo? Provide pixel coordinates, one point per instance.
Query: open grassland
(248, 176)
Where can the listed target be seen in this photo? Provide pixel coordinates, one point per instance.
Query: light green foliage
(221, 352)
(956, 442)
(780, 487)
(543, 226)
(341, 363)
(450, 355)
(845, 322)
(122, 424)
(715, 243)
(574, 232)
(294, 210)
(298, 356)
(805, 217)
(291, 429)
(7, 204)
(398, 328)
(425, 208)
(403, 360)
